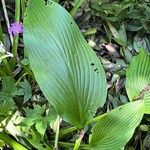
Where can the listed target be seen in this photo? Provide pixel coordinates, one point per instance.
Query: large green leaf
(65, 67)
(138, 79)
(115, 129)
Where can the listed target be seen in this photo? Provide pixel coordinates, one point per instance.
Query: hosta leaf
(65, 67)
(115, 129)
(138, 79)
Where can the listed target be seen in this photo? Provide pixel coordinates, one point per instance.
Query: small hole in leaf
(46, 2)
(92, 64)
(95, 69)
(71, 22)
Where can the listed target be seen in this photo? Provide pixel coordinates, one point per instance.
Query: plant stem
(75, 8)
(23, 6)
(78, 141)
(57, 133)
(17, 10)
(7, 19)
(15, 42)
(18, 81)
(26, 69)
(7, 140)
(71, 129)
(67, 131)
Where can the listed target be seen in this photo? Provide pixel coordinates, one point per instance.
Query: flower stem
(15, 41)
(78, 141)
(23, 6)
(7, 140)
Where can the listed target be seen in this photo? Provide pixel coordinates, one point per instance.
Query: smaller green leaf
(116, 128)
(27, 90)
(128, 55)
(138, 79)
(41, 126)
(137, 75)
(123, 35)
(19, 92)
(134, 26)
(36, 117)
(24, 89)
(134, 14)
(119, 36)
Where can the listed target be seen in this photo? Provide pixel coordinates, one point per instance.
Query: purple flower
(15, 28)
